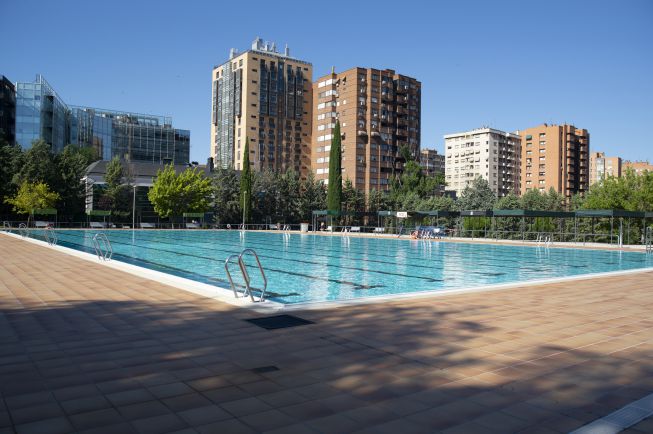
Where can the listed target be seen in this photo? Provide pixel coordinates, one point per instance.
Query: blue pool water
(313, 268)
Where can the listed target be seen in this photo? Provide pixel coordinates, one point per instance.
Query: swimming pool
(312, 268)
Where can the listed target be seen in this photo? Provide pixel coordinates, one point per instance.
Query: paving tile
(208, 383)
(159, 424)
(36, 413)
(92, 419)
(225, 394)
(129, 397)
(231, 426)
(243, 407)
(267, 420)
(143, 410)
(204, 415)
(85, 404)
(57, 425)
(186, 402)
(122, 428)
(170, 389)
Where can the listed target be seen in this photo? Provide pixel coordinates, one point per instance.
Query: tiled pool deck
(86, 348)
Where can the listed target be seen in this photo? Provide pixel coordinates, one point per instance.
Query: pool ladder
(102, 246)
(51, 236)
(243, 269)
(648, 239)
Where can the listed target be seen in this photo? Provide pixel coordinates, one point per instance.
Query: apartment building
(379, 113)
(432, 162)
(639, 167)
(491, 154)
(264, 97)
(555, 156)
(602, 167)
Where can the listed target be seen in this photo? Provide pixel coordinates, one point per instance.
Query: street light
(134, 209)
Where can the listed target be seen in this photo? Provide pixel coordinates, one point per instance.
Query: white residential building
(493, 155)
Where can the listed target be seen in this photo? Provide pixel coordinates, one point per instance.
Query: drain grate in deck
(278, 322)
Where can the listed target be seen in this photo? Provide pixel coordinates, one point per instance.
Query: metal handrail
(51, 236)
(102, 246)
(648, 240)
(243, 267)
(231, 281)
(22, 229)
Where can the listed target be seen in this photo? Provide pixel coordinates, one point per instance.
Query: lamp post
(134, 209)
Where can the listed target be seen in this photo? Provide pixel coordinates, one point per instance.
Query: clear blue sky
(506, 64)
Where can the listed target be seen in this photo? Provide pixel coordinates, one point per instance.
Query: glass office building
(42, 114)
(130, 136)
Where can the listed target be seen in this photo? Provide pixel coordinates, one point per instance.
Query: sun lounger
(41, 224)
(378, 230)
(355, 229)
(148, 225)
(192, 225)
(97, 225)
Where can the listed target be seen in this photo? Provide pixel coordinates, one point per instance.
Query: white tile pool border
(226, 295)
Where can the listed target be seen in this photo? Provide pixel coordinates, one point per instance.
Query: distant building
(142, 174)
(130, 136)
(602, 167)
(379, 113)
(432, 163)
(42, 114)
(639, 167)
(491, 154)
(555, 156)
(262, 96)
(7, 110)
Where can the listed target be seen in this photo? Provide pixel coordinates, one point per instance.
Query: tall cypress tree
(246, 186)
(334, 194)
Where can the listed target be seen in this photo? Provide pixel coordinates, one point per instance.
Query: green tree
(377, 201)
(246, 186)
(413, 180)
(39, 165)
(11, 160)
(173, 194)
(312, 197)
(72, 164)
(226, 191)
(533, 200)
(32, 196)
(117, 194)
(477, 196)
(334, 194)
(509, 201)
(115, 172)
(353, 200)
